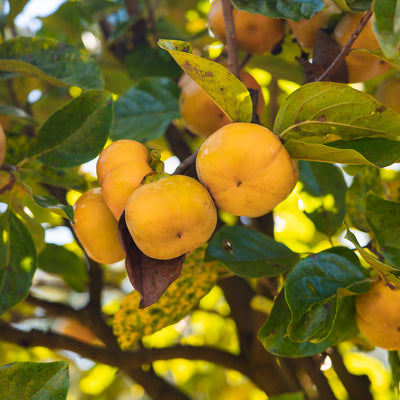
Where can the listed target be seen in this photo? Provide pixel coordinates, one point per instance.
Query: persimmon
(388, 93)
(96, 228)
(246, 169)
(200, 114)
(255, 33)
(3, 145)
(378, 316)
(360, 66)
(170, 216)
(120, 169)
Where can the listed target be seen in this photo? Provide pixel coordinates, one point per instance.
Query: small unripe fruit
(246, 169)
(96, 228)
(170, 216)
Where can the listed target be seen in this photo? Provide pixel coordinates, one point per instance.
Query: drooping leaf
(149, 276)
(368, 178)
(60, 261)
(196, 280)
(319, 109)
(53, 204)
(249, 253)
(325, 181)
(290, 9)
(77, 132)
(34, 381)
(57, 63)
(312, 291)
(383, 217)
(386, 25)
(379, 152)
(273, 334)
(18, 261)
(228, 92)
(144, 112)
(386, 271)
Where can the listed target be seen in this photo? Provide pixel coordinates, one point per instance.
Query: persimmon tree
(267, 306)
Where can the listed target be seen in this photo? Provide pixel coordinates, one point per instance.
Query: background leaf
(52, 203)
(325, 181)
(30, 380)
(386, 28)
(383, 217)
(18, 261)
(273, 334)
(311, 292)
(249, 253)
(57, 63)
(321, 108)
(353, 5)
(230, 94)
(294, 10)
(77, 132)
(60, 261)
(196, 280)
(144, 111)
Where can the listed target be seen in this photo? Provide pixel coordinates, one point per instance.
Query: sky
(36, 8)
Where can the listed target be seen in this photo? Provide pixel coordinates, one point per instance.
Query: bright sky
(36, 8)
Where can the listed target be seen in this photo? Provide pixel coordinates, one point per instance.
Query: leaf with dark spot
(149, 276)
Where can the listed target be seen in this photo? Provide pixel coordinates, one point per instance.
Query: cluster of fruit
(243, 168)
(257, 34)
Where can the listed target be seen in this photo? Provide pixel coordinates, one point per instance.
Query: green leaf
(60, 261)
(377, 152)
(196, 280)
(394, 362)
(144, 112)
(228, 92)
(53, 204)
(34, 381)
(387, 272)
(68, 178)
(294, 10)
(394, 60)
(325, 181)
(77, 132)
(16, 114)
(386, 25)
(250, 254)
(383, 217)
(368, 178)
(57, 63)
(353, 5)
(18, 261)
(312, 292)
(319, 109)
(273, 334)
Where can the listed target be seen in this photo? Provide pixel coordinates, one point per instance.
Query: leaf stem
(231, 43)
(347, 47)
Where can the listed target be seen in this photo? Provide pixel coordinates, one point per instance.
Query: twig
(347, 47)
(186, 164)
(151, 20)
(233, 63)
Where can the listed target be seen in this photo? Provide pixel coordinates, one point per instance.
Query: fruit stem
(347, 47)
(155, 161)
(231, 43)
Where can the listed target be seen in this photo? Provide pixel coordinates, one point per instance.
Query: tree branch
(347, 47)
(231, 42)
